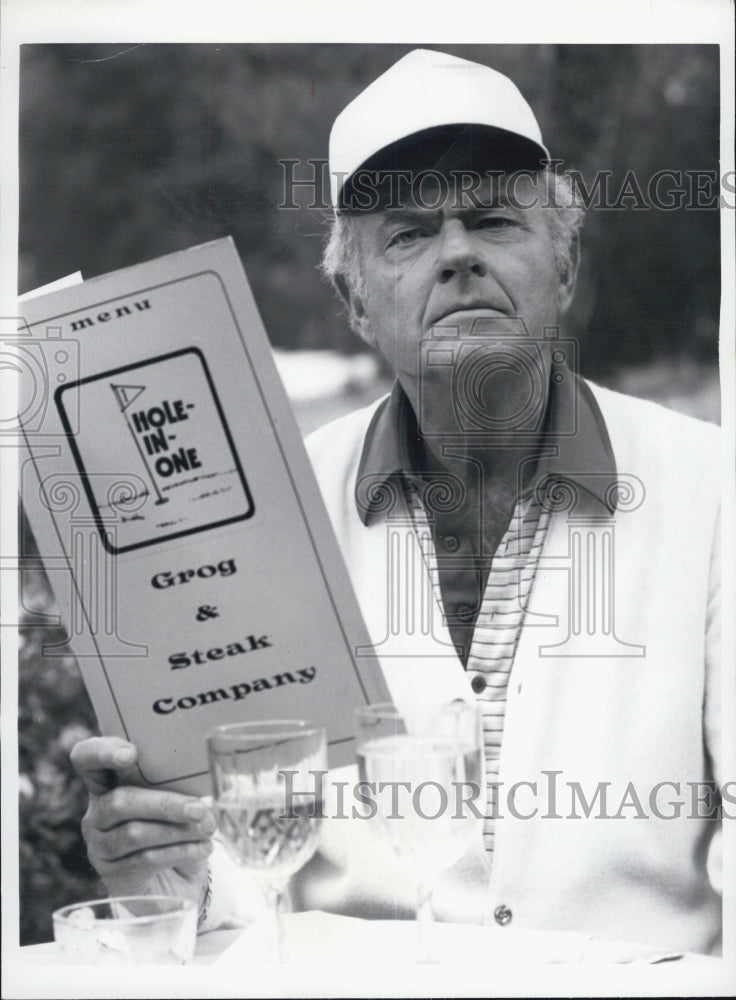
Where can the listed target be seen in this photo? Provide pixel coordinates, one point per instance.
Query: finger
(128, 803)
(100, 761)
(138, 837)
(143, 865)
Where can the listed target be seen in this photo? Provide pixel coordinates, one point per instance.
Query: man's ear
(569, 277)
(355, 307)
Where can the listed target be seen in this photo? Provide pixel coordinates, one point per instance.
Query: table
(333, 955)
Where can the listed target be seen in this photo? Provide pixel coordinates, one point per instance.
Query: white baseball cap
(424, 104)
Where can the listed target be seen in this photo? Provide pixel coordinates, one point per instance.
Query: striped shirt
(498, 624)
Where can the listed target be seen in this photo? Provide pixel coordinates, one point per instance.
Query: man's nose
(459, 252)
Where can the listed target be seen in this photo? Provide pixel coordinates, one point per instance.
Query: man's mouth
(465, 313)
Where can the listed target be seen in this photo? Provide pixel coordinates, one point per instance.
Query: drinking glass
(427, 815)
(128, 930)
(266, 784)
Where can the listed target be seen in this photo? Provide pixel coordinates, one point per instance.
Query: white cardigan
(595, 710)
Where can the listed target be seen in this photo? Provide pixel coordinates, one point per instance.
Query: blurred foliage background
(129, 152)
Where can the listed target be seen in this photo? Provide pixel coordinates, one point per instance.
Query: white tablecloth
(329, 955)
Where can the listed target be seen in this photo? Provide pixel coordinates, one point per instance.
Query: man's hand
(140, 840)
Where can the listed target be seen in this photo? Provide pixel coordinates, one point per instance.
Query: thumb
(101, 760)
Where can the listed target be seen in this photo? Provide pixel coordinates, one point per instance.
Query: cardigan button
(452, 543)
(478, 683)
(502, 915)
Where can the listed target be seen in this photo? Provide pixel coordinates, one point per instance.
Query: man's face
(484, 267)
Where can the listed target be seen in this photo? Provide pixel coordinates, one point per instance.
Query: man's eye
(495, 222)
(406, 236)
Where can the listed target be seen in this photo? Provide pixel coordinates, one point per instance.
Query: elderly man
(516, 536)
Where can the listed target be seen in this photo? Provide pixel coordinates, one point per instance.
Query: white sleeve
(235, 898)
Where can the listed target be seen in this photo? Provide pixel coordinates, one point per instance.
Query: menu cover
(177, 514)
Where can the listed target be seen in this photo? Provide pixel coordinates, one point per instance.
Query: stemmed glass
(265, 796)
(427, 814)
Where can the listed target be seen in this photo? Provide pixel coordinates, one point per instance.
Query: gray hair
(342, 254)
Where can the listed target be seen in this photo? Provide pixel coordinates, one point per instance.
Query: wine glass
(266, 779)
(425, 774)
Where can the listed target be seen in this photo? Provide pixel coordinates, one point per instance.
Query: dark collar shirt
(573, 469)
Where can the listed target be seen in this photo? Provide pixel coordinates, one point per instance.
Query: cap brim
(443, 148)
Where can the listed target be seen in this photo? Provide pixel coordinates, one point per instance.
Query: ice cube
(83, 917)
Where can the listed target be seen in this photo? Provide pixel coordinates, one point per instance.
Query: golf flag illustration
(125, 395)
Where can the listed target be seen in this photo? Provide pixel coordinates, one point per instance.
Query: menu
(178, 517)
